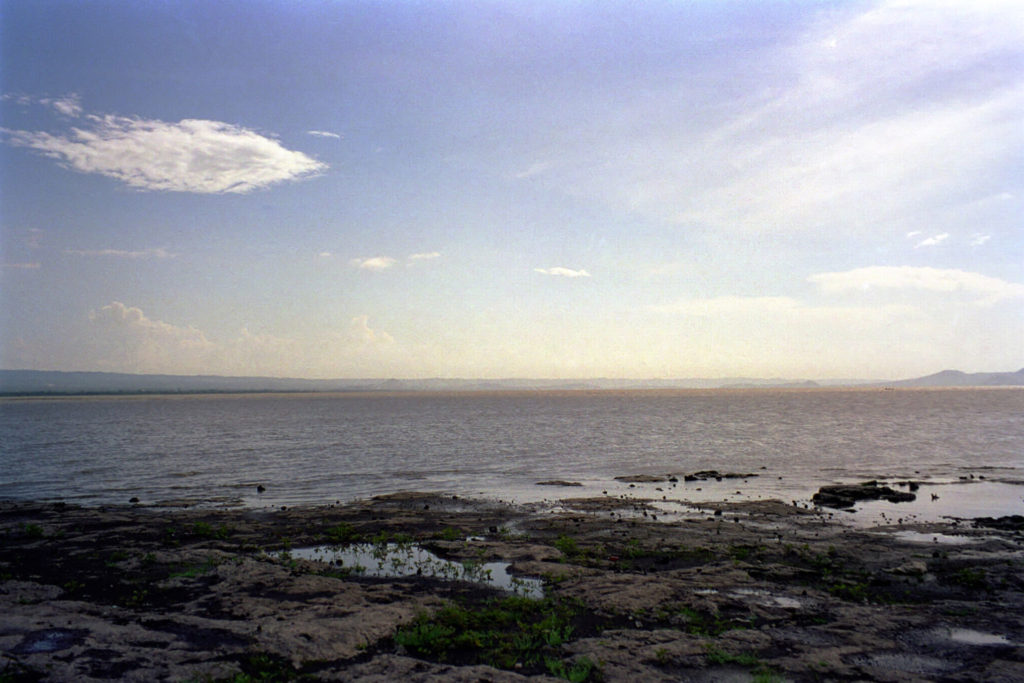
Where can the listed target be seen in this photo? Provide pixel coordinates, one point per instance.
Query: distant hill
(955, 378)
(43, 382)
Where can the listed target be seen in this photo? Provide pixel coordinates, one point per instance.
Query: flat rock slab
(764, 588)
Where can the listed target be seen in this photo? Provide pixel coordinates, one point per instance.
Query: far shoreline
(454, 393)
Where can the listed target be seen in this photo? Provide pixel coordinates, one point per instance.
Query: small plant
(137, 598)
(510, 633)
(207, 530)
(568, 546)
(578, 671)
(450, 533)
(342, 533)
(971, 578)
(115, 557)
(715, 655)
(265, 668)
(33, 530)
(196, 570)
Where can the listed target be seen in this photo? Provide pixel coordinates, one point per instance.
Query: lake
(322, 448)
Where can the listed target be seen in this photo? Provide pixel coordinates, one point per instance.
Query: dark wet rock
(847, 495)
(558, 482)
(1008, 523)
(643, 478)
(705, 475)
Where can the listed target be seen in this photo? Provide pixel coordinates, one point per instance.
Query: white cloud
(325, 254)
(360, 333)
(376, 263)
(978, 239)
(562, 272)
(933, 241)
(126, 339)
(913, 233)
(129, 340)
(70, 105)
(424, 256)
(21, 266)
(987, 290)
(323, 134)
(534, 169)
(192, 155)
(157, 252)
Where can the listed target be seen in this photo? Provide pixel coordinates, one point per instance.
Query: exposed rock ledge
(764, 589)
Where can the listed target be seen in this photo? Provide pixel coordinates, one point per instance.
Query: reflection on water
(935, 502)
(394, 560)
(315, 449)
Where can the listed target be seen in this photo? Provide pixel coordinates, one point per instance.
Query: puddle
(396, 560)
(971, 637)
(766, 598)
(938, 501)
(909, 663)
(50, 640)
(941, 539)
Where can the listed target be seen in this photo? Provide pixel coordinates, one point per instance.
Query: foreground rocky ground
(746, 591)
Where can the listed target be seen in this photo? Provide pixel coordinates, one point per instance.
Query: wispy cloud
(562, 272)
(933, 241)
(21, 266)
(376, 263)
(192, 155)
(323, 134)
(425, 256)
(828, 122)
(988, 290)
(534, 169)
(69, 105)
(979, 239)
(158, 253)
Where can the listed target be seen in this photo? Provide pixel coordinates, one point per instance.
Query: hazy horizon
(530, 190)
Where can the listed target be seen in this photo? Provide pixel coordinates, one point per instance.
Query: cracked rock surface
(763, 590)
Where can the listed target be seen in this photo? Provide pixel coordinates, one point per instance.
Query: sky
(550, 189)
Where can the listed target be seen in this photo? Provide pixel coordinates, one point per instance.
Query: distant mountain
(955, 378)
(42, 382)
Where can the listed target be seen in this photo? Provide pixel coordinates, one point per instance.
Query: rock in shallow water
(846, 495)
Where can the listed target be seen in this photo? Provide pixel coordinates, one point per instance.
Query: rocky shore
(761, 591)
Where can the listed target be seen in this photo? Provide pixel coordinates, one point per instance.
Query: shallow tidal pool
(395, 560)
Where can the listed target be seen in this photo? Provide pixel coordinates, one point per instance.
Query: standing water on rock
(319, 448)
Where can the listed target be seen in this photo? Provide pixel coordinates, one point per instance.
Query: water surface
(310, 449)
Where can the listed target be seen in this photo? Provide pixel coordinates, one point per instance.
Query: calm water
(323, 448)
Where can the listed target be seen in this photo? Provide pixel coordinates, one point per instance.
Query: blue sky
(512, 189)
